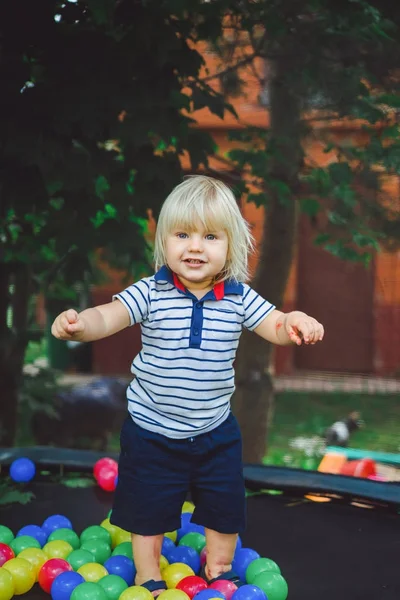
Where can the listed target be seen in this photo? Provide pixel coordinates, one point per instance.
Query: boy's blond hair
(210, 201)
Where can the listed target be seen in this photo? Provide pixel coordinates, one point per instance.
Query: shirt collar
(221, 289)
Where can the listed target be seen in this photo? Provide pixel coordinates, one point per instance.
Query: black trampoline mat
(325, 551)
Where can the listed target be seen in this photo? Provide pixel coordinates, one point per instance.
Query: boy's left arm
(290, 328)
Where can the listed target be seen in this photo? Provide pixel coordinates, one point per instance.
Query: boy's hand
(302, 328)
(68, 326)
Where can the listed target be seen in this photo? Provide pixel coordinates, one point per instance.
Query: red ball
(50, 570)
(106, 479)
(227, 588)
(192, 585)
(6, 553)
(104, 462)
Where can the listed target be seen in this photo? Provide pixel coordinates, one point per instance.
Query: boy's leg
(220, 551)
(146, 554)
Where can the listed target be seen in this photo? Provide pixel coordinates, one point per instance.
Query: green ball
(95, 532)
(6, 535)
(88, 591)
(194, 540)
(113, 585)
(124, 549)
(100, 549)
(67, 535)
(23, 542)
(272, 584)
(259, 565)
(77, 558)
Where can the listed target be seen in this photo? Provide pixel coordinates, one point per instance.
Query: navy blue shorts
(156, 474)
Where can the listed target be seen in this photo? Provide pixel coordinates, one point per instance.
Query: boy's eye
(181, 235)
(211, 236)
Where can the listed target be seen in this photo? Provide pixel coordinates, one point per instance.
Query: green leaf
(310, 206)
(57, 203)
(101, 186)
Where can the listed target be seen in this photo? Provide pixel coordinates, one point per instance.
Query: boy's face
(196, 256)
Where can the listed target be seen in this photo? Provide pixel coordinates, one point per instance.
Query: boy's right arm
(91, 324)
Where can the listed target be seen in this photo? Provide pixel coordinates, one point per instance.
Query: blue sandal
(153, 585)
(228, 576)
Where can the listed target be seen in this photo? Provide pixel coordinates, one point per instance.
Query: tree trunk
(13, 341)
(253, 400)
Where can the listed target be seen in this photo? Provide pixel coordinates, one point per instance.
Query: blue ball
(64, 584)
(238, 544)
(167, 546)
(122, 566)
(209, 593)
(22, 470)
(187, 526)
(55, 522)
(249, 592)
(241, 561)
(187, 555)
(34, 531)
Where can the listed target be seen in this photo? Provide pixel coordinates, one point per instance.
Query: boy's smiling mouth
(194, 261)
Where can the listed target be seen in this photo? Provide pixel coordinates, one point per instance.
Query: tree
(322, 61)
(95, 113)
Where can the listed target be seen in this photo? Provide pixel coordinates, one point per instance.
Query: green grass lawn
(303, 416)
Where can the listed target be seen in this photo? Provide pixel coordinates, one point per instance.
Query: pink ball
(227, 588)
(203, 556)
(104, 462)
(107, 479)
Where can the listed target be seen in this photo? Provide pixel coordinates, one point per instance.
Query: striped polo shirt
(184, 376)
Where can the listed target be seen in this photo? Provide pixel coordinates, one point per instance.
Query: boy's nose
(195, 243)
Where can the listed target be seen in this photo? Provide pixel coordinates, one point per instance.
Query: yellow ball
(188, 507)
(122, 536)
(173, 595)
(112, 530)
(92, 572)
(174, 573)
(163, 563)
(22, 573)
(6, 585)
(36, 557)
(57, 549)
(136, 592)
(172, 535)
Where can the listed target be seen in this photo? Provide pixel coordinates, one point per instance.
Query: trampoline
(347, 548)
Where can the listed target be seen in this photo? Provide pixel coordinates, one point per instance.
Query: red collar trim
(218, 289)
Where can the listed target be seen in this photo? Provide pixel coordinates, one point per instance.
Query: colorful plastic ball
(6, 535)
(65, 535)
(209, 594)
(163, 563)
(173, 595)
(100, 549)
(187, 525)
(124, 549)
(106, 479)
(123, 567)
(174, 573)
(88, 591)
(259, 566)
(112, 530)
(195, 540)
(57, 549)
(49, 571)
(167, 546)
(55, 522)
(228, 588)
(122, 536)
(238, 544)
(6, 585)
(107, 462)
(80, 557)
(113, 585)
(242, 559)
(136, 592)
(272, 584)
(92, 572)
(192, 585)
(187, 507)
(22, 573)
(23, 542)
(6, 553)
(34, 531)
(22, 470)
(249, 592)
(172, 535)
(187, 555)
(64, 584)
(95, 532)
(36, 557)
